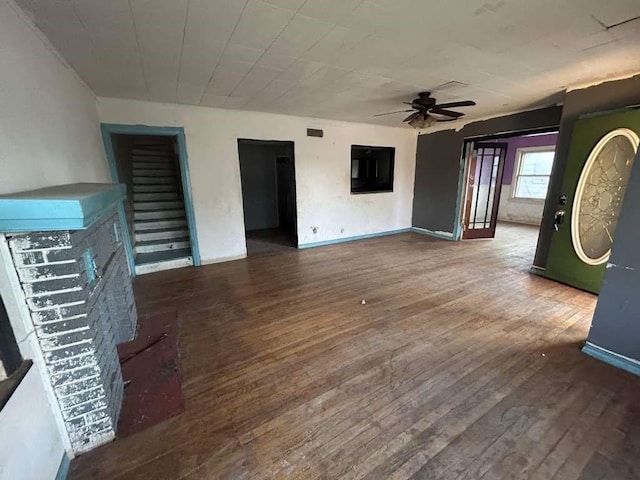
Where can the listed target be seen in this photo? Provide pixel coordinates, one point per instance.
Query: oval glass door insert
(599, 195)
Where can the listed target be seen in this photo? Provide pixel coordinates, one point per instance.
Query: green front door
(595, 180)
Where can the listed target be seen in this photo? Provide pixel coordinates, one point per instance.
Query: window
(372, 169)
(532, 175)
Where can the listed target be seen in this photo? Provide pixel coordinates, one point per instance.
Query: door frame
(239, 140)
(109, 129)
(467, 148)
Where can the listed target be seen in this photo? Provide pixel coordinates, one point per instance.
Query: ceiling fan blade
(447, 113)
(413, 116)
(391, 113)
(465, 103)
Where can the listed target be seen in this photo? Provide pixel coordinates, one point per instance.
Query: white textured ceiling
(341, 59)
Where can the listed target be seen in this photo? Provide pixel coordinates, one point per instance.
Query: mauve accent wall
(519, 210)
(523, 142)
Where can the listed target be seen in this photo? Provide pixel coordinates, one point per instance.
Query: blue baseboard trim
(63, 469)
(424, 231)
(607, 356)
(351, 239)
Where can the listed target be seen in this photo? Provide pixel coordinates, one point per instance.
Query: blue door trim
(112, 128)
(612, 358)
(111, 160)
(63, 468)
(462, 183)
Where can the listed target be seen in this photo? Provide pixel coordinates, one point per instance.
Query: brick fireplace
(68, 253)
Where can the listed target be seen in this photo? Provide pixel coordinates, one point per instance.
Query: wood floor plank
(459, 365)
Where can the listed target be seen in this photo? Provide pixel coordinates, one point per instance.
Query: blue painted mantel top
(64, 207)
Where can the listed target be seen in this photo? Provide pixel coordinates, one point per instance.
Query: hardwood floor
(460, 365)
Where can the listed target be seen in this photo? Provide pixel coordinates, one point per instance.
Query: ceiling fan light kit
(421, 122)
(425, 111)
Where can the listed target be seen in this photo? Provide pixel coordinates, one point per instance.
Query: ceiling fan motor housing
(426, 111)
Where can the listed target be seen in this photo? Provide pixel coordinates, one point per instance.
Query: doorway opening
(506, 182)
(157, 213)
(267, 171)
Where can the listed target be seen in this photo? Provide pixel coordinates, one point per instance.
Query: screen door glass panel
(486, 180)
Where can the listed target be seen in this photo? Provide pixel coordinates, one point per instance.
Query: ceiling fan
(426, 111)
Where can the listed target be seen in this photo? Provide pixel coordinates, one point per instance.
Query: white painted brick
(68, 351)
(70, 364)
(75, 374)
(50, 305)
(48, 279)
(24, 259)
(21, 243)
(76, 388)
(84, 408)
(48, 271)
(81, 397)
(58, 285)
(96, 416)
(89, 438)
(78, 325)
(58, 330)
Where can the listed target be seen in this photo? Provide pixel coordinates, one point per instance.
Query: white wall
(30, 447)
(49, 134)
(519, 210)
(322, 171)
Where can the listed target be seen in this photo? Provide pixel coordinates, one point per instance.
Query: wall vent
(314, 132)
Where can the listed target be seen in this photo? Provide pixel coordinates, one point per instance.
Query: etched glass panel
(600, 194)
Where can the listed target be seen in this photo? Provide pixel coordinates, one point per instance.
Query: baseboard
(145, 268)
(612, 358)
(63, 469)
(211, 261)
(352, 239)
(430, 233)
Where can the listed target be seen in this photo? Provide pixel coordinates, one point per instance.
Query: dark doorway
(267, 171)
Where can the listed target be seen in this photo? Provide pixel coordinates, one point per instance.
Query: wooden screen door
(484, 183)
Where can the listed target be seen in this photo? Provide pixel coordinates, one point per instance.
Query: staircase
(161, 235)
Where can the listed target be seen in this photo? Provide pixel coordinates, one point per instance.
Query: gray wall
(122, 145)
(438, 164)
(436, 181)
(606, 96)
(616, 323)
(259, 187)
